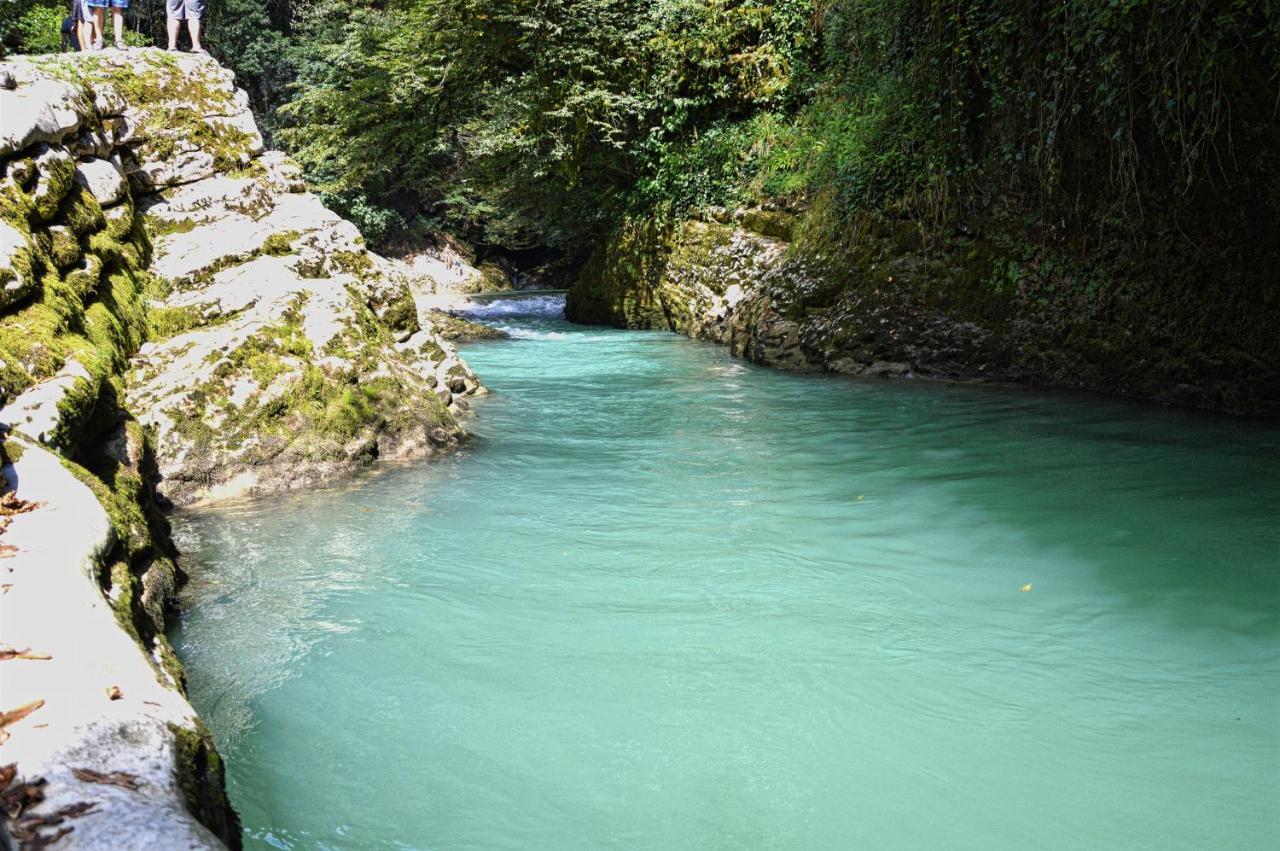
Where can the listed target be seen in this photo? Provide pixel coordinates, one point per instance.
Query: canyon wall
(886, 304)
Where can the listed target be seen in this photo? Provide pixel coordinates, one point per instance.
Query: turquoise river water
(667, 599)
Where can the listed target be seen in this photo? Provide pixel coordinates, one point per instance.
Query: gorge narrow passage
(667, 599)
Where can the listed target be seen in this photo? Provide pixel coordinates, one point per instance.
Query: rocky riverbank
(889, 304)
(179, 321)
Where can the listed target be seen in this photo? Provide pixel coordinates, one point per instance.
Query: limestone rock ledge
(112, 749)
(179, 321)
(885, 306)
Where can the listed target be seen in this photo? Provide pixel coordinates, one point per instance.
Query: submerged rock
(457, 329)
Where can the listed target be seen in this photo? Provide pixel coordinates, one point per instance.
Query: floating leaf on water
(1025, 588)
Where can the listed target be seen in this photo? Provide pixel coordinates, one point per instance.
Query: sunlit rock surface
(179, 321)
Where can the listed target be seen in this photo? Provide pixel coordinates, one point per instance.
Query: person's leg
(195, 11)
(99, 27)
(173, 9)
(193, 27)
(117, 25)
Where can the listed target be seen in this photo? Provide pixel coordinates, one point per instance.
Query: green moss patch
(280, 244)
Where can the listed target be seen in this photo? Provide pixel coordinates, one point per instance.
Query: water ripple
(669, 599)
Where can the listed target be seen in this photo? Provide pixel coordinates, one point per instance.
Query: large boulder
(43, 110)
(103, 180)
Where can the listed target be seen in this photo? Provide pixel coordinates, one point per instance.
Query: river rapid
(667, 599)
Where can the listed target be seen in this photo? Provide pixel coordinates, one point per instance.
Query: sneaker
(99, 44)
(120, 45)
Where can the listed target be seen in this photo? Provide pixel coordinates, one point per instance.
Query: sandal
(99, 44)
(120, 45)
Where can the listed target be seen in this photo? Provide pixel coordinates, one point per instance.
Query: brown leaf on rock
(83, 808)
(9, 653)
(39, 841)
(123, 779)
(19, 796)
(31, 824)
(11, 505)
(15, 715)
(115, 693)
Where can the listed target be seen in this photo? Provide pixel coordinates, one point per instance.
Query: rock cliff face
(179, 320)
(888, 307)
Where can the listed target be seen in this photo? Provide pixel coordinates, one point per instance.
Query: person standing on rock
(99, 8)
(190, 11)
(71, 28)
(82, 36)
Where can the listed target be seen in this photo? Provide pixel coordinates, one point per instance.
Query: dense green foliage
(541, 122)
(523, 123)
(520, 124)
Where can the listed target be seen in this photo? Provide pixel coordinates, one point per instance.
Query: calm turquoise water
(666, 599)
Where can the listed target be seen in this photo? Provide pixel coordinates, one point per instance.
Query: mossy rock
(357, 263)
(64, 247)
(202, 778)
(493, 278)
(166, 322)
(618, 284)
(18, 267)
(771, 223)
(456, 329)
(82, 212)
(119, 220)
(401, 313)
(33, 346)
(280, 244)
(57, 170)
(85, 278)
(157, 227)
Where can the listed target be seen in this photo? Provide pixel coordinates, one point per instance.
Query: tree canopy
(524, 123)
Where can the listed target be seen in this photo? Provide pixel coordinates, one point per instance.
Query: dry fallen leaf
(114, 693)
(15, 715)
(9, 653)
(11, 505)
(19, 796)
(39, 841)
(123, 779)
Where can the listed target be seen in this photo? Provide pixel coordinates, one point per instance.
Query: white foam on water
(548, 306)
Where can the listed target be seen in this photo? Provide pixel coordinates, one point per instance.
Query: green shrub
(39, 29)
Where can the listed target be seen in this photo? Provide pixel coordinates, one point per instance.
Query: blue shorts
(102, 4)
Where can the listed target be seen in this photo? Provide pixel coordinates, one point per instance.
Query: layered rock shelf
(180, 321)
(886, 306)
